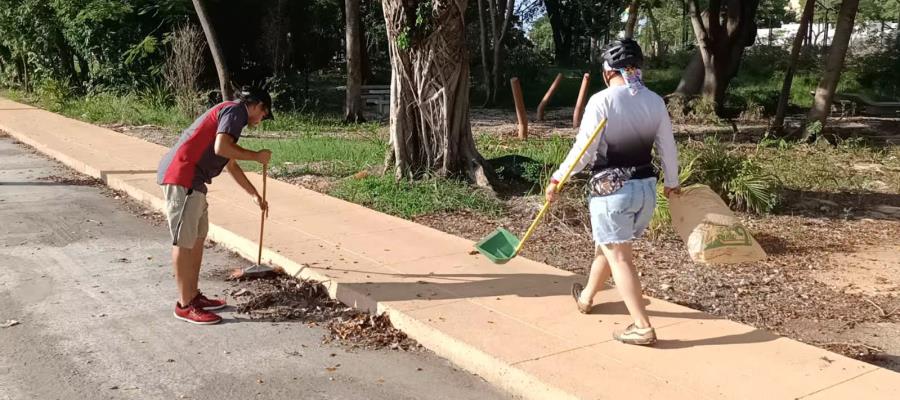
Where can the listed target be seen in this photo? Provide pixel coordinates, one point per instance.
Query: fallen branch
(849, 344)
(881, 310)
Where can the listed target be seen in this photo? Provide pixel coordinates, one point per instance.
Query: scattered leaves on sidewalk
(9, 323)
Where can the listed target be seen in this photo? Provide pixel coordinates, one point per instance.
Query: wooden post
(547, 96)
(520, 108)
(582, 99)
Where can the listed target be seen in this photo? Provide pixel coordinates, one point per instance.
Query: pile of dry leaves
(282, 298)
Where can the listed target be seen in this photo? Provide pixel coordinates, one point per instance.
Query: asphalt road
(89, 281)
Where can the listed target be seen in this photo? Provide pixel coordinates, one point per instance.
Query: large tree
(722, 32)
(564, 18)
(834, 63)
(430, 130)
(494, 20)
(633, 8)
(216, 50)
(353, 103)
(805, 18)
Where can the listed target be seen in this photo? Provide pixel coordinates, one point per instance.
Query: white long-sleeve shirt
(634, 123)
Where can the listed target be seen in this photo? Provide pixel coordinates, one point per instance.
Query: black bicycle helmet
(623, 53)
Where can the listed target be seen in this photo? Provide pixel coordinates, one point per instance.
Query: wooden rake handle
(597, 132)
(262, 221)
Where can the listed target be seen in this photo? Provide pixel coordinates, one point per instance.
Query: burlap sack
(710, 230)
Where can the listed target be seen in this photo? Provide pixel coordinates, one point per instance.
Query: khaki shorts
(186, 212)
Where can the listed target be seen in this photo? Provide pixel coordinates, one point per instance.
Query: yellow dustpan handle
(560, 185)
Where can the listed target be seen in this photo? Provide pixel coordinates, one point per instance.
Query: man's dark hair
(255, 95)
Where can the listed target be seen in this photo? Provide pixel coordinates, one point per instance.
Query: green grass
(105, 108)
(306, 124)
(133, 109)
(550, 150)
(411, 199)
(318, 155)
(830, 169)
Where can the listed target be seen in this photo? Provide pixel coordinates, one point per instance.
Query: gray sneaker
(634, 335)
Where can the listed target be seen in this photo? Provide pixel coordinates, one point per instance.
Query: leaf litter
(283, 298)
(780, 294)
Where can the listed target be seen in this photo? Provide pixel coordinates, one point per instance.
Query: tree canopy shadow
(842, 205)
(461, 286)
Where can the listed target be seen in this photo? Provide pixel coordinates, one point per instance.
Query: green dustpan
(501, 245)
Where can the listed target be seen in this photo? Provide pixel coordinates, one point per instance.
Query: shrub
(739, 179)
(183, 68)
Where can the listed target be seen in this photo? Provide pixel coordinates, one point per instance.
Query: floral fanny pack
(610, 180)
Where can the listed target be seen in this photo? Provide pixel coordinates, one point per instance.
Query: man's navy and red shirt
(193, 162)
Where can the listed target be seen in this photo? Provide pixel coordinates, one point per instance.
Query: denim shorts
(625, 214)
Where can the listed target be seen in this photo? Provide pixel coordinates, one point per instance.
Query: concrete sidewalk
(513, 324)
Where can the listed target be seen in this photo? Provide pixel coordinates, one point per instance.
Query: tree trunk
(216, 50)
(353, 104)
(721, 46)
(430, 130)
(655, 50)
(364, 61)
(485, 68)
(562, 31)
(84, 69)
(500, 17)
(833, 65)
(273, 38)
(692, 77)
(805, 17)
(596, 56)
(632, 19)
(25, 74)
(67, 60)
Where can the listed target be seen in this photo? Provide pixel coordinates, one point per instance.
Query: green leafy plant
(403, 39)
(661, 214)
(739, 179)
(752, 189)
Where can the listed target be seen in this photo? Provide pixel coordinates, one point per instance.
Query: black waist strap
(644, 172)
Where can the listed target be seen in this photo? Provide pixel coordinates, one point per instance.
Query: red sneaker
(207, 303)
(196, 315)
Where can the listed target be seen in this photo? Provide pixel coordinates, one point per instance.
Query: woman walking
(623, 182)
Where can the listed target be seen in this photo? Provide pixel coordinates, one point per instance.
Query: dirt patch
(151, 133)
(871, 271)
(282, 298)
(317, 183)
(500, 122)
(874, 342)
